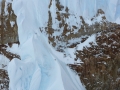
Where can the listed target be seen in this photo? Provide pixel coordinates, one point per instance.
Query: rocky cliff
(8, 26)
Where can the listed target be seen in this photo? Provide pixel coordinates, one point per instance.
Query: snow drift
(40, 68)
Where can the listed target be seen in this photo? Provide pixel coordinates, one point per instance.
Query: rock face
(69, 32)
(4, 80)
(8, 26)
(100, 69)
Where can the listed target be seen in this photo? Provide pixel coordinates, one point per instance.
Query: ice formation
(40, 68)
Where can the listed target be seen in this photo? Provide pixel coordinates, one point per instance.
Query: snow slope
(40, 68)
